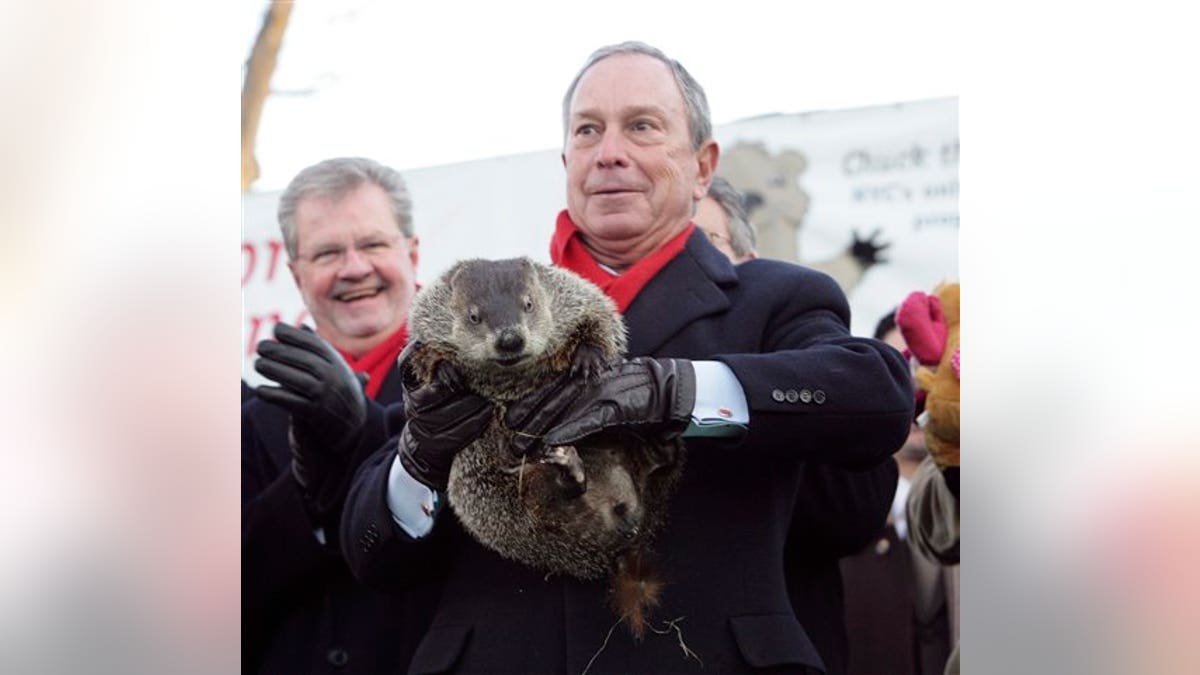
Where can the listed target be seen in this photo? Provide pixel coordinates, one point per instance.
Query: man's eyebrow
(586, 112)
(325, 247)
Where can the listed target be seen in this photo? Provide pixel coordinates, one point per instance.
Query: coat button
(819, 397)
(791, 396)
(882, 546)
(337, 657)
(806, 395)
(777, 395)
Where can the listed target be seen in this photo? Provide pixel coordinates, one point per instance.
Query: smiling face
(355, 270)
(632, 175)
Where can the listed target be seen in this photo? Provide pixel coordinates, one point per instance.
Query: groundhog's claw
(572, 479)
(587, 361)
(447, 375)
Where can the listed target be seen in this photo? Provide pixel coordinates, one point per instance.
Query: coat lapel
(690, 287)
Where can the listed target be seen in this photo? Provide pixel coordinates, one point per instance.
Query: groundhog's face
(607, 496)
(593, 495)
(502, 314)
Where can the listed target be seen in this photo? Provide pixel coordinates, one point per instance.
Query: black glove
(328, 412)
(651, 396)
(443, 417)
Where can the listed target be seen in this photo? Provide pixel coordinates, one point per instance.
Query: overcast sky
(422, 84)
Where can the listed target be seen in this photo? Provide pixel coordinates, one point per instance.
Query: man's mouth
(359, 294)
(611, 191)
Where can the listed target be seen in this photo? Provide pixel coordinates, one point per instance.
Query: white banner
(818, 178)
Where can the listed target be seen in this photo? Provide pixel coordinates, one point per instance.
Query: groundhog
(587, 510)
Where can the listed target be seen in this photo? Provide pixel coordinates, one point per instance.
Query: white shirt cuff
(721, 408)
(412, 504)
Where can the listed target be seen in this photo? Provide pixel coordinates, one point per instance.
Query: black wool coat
(302, 611)
(817, 395)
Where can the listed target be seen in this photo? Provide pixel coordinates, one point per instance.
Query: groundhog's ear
(662, 455)
(453, 276)
(538, 275)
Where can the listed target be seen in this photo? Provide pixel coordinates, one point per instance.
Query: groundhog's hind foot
(571, 479)
(636, 590)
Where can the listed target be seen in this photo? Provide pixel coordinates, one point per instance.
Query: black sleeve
(819, 393)
(380, 554)
(282, 559)
(838, 510)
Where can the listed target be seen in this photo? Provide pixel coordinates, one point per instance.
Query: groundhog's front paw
(571, 479)
(446, 375)
(587, 361)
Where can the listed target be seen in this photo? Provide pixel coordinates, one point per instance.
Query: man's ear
(706, 167)
(414, 250)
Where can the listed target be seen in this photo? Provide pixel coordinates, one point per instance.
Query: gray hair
(742, 238)
(334, 178)
(699, 121)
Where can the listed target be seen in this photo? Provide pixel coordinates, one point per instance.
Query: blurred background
(124, 319)
(864, 154)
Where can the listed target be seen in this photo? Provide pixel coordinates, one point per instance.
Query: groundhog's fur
(588, 510)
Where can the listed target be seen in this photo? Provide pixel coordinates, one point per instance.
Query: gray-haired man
(347, 227)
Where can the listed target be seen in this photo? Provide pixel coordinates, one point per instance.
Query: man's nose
(610, 152)
(355, 264)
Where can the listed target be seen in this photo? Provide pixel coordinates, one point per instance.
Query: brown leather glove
(647, 395)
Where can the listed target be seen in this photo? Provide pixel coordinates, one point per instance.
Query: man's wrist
(721, 409)
(413, 505)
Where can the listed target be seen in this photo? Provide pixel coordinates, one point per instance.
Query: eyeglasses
(717, 237)
(334, 254)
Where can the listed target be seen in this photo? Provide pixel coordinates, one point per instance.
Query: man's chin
(360, 330)
(609, 223)
(615, 217)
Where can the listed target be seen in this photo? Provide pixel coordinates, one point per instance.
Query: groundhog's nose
(628, 524)
(510, 341)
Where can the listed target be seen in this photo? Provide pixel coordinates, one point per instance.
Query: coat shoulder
(789, 282)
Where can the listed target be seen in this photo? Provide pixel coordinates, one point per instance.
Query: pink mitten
(920, 321)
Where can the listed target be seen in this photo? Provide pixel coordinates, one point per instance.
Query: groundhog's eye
(473, 316)
(528, 305)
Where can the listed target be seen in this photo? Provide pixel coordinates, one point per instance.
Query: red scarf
(567, 251)
(377, 362)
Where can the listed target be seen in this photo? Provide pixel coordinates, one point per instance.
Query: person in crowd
(753, 364)
(348, 231)
(897, 603)
(722, 216)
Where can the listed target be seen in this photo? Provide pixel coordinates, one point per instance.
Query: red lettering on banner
(248, 265)
(256, 329)
(262, 326)
(276, 246)
(274, 252)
